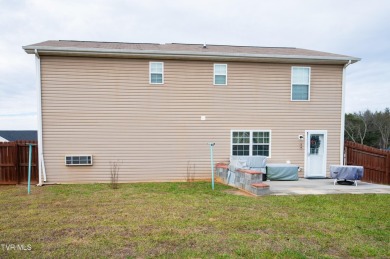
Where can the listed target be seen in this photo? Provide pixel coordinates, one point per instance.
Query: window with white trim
(251, 143)
(220, 74)
(78, 160)
(300, 83)
(156, 70)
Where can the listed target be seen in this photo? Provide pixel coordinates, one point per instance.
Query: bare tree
(369, 128)
(190, 172)
(114, 170)
(382, 122)
(350, 127)
(356, 126)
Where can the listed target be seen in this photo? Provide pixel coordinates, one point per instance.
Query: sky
(349, 27)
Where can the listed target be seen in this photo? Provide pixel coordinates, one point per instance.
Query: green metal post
(212, 164)
(29, 167)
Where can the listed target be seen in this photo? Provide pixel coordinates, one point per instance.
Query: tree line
(369, 128)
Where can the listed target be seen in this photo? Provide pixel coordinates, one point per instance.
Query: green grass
(176, 220)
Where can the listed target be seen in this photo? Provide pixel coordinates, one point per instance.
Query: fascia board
(181, 54)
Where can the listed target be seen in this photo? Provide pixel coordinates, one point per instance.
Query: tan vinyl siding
(107, 108)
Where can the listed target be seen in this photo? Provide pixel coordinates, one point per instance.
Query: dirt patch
(238, 192)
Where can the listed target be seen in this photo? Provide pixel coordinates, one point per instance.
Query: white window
(78, 160)
(300, 84)
(251, 143)
(220, 74)
(156, 72)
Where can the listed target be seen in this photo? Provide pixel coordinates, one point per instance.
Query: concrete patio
(323, 186)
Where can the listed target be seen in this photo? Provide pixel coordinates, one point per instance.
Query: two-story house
(155, 107)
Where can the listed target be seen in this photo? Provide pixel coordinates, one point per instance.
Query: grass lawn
(176, 220)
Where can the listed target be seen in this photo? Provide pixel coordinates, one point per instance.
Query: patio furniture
(346, 173)
(282, 172)
(256, 163)
(250, 162)
(245, 173)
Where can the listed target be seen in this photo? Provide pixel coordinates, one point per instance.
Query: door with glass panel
(315, 160)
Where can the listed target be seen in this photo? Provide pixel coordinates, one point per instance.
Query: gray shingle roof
(183, 49)
(13, 135)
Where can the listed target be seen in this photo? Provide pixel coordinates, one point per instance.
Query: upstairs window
(220, 74)
(156, 72)
(251, 143)
(300, 84)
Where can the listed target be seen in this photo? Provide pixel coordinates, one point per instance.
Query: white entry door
(315, 153)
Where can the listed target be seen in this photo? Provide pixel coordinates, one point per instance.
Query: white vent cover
(78, 160)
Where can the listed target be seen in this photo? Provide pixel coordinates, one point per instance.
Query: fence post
(212, 164)
(345, 155)
(388, 168)
(29, 168)
(16, 162)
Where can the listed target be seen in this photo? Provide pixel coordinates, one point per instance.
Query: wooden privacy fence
(376, 162)
(14, 162)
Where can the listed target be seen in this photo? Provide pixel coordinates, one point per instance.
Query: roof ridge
(121, 42)
(227, 45)
(178, 43)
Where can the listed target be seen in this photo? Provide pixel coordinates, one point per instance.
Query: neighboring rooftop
(179, 50)
(14, 135)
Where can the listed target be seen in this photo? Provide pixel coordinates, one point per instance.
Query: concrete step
(260, 189)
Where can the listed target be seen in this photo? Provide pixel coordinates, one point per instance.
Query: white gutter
(343, 114)
(41, 162)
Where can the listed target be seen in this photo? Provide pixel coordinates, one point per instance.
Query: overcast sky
(356, 28)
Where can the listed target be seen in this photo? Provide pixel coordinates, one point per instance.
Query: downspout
(41, 162)
(343, 114)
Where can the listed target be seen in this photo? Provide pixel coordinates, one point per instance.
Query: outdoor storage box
(282, 172)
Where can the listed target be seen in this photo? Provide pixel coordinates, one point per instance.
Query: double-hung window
(156, 71)
(300, 84)
(220, 74)
(251, 143)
